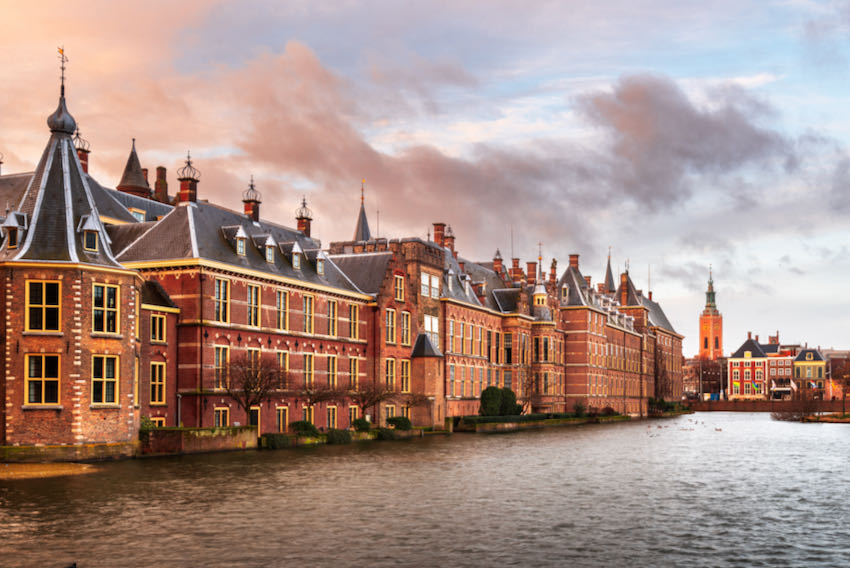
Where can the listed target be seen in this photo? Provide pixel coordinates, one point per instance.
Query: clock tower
(710, 326)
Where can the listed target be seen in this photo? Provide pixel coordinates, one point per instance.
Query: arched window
(705, 343)
(717, 343)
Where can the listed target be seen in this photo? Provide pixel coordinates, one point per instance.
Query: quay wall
(763, 405)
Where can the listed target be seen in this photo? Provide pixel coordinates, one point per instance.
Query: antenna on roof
(62, 61)
(378, 228)
(428, 235)
(649, 277)
(512, 240)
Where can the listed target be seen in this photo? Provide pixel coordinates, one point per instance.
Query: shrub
(304, 428)
(339, 436)
(578, 409)
(277, 441)
(400, 423)
(146, 424)
(508, 405)
(592, 412)
(491, 401)
(608, 411)
(361, 425)
(386, 434)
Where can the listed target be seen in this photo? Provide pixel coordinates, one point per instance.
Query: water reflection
(712, 489)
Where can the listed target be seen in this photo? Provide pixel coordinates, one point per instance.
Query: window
(157, 383)
(221, 417)
(759, 375)
(222, 300)
(425, 290)
(432, 329)
(282, 418)
(320, 266)
(435, 287)
(283, 367)
(90, 241)
(509, 348)
(240, 246)
(405, 411)
(332, 319)
(389, 373)
(253, 305)
(353, 321)
(390, 326)
(270, 254)
(332, 371)
(253, 360)
(309, 303)
(332, 417)
(405, 328)
(296, 261)
(353, 414)
(42, 379)
(736, 388)
(105, 313)
(282, 307)
(353, 372)
(220, 362)
(157, 421)
(13, 237)
(451, 342)
(42, 300)
(157, 327)
(404, 375)
(451, 380)
(748, 388)
(389, 411)
(308, 369)
(399, 288)
(254, 418)
(735, 375)
(308, 413)
(136, 400)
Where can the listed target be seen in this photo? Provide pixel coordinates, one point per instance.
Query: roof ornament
(62, 60)
(362, 189)
(304, 212)
(82, 144)
(188, 171)
(251, 194)
(61, 120)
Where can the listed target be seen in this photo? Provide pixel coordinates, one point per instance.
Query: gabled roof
(803, 355)
(424, 347)
(455, 282)
(750, 345)
(366, 270)
(483, 273)
(634, 297)
(577, 288)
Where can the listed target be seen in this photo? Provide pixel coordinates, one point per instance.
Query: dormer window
(240, 246)
(270, 254)
(296, 261)
(90, 241)
(320, 266)
(12, 241)
(539, 300)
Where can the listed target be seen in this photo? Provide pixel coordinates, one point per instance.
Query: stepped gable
(57, 208)
(366, 270)
(209, 232)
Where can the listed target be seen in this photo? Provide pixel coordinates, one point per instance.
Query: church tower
(710, 326)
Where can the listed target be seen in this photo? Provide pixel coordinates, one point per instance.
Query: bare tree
(314, 392)
(368, 394)
(663, 382)
(530, 396)
(252, 380)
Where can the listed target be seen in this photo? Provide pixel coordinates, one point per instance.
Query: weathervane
(62, 61)
(362, 189)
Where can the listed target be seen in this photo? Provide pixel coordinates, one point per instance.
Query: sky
(681, 135)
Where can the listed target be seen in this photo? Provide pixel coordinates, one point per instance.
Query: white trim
(33, 218)
(192, 234)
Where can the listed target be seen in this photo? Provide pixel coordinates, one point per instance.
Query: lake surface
(710, 489)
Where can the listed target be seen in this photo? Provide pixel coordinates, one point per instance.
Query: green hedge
(339, 436)
(276, 441)
(305, 428)
(361, 425)
(386, 434)
(400, 423)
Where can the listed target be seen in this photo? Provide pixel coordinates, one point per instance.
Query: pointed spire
(361, 230)
(710, 301)
(610, 286)
(133, 180)
(61, 120)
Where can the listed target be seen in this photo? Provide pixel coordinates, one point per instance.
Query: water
(711, 489)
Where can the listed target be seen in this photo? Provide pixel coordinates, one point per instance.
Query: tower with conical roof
(133, 179)
(710, 325)
(361, 231)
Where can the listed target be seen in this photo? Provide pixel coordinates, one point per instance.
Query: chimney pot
(531, 269)
(574, 260)
(439, 231)
(587, 279)
(160, 186)
(749, 335)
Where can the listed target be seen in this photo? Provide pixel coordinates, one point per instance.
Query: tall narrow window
(105, 308)
(12, 242)
(425, 289)
(222, 300)
(270, 254)
(221, 361)
(221, 417)
(354, 321)
(283, 368)
(308, 369)
(332, 417)
(308, 314)
(282, 309)
(389, 373)
(435, 287)
(390, 326)
(104, 379)
(282, 418)
(509, 344)
(42, 379)
(308, 413)
(90, 241)
(43, 305)
(332, 379)
(240, 246)
(432, 329)
(157, 327)
(399, 288)
(157, 383)
(253, 305)
(404, 375)
(332, 317)
(405, 328)
(353, 372)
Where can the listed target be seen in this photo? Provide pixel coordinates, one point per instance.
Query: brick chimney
(757, 338)
(439, 231)
(749, 335)
(553, 272)
(531, 271)
(624, 289)
(188, 177)
(515, 271)
(462, 266)
(304, 217)
(587, 279)
(160, 191)
(650, 294)
(574, 261)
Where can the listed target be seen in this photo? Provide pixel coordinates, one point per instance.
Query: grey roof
(12, 188)
(770, 347)
(154, 294)
(483, 273)
(153, 209)
(803, 355)
(133, 176)
(750, 345)
(506, 299)
(366, 270)
(456, 284)
(108, 204)
(577, 288)
(424, 347)
(657, 317)
(59, 207)
(361, 231)
(206, 231)
(610, 287)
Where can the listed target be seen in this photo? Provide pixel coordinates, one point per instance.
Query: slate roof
(656, 315)
(424, 347)
(153, 209)
(610, 286)
(58, 205)
(482, 272)
(455, 282)
(577, 288)
(361, 231)
(803, 355)
(366, 270)
(133, 176)
(12, 188)
(154, 294)
(750, 345)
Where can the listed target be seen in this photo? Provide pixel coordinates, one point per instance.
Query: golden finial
(362, 189)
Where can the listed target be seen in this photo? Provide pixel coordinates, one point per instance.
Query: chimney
(532, 272)
(624, 289)
(439, 231)
(449, 240)
(251, 200)
(304, 216)
(497, 262)
(462, 265)
(160, 191)
(188, 177)
(553, 272)
(145, 174)
(650, 294)
(515, 271)
(587, 279)
(574, 261)
(749, 335)
(757, 338)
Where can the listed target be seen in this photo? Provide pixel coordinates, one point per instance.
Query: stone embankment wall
(765, 405)
(198, 440)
